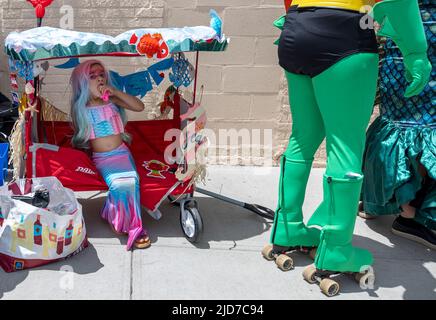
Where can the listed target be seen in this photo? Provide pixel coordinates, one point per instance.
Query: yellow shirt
(357, 5)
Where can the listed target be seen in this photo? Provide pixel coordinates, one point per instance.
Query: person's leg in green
(289, 230)
(345, 94)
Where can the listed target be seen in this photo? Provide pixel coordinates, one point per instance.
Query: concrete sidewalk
(226, 263)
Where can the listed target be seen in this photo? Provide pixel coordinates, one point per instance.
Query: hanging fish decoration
(183, 72)
(71, 63)
(152, 46)
(215, 22)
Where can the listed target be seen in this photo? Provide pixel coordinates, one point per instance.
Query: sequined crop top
(104, 120)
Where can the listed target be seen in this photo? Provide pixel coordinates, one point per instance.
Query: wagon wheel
(191, 221)
(176, 200)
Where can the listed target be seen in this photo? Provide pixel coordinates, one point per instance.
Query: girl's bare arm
(127, 101)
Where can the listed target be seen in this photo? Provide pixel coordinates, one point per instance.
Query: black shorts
(314, 39)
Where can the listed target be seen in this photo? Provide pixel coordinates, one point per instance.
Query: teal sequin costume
(402, 137)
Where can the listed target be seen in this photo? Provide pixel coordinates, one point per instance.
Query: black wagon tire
(191, 222)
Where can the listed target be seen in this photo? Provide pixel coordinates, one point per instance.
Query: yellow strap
(356, 5)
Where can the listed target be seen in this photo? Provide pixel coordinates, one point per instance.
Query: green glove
(401, 21)
(279, 23)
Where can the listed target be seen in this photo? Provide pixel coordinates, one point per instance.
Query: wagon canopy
(49, 43)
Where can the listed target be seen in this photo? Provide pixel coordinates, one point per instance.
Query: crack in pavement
(131, 276)
(234, 245)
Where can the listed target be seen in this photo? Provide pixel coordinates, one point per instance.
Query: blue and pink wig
(79, 100)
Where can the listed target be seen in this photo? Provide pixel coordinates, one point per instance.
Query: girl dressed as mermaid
(98, 115)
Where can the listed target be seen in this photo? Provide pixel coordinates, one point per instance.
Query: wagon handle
(262, 211)
(258, 209)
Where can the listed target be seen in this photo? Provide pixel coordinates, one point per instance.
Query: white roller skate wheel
(365, 280)
(329, 287)
(309, 274)
(284, 262)
(267, 252)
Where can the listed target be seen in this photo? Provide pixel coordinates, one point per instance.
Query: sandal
(142, 242)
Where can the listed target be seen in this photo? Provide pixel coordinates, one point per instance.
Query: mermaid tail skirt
(403, 138)
(122, 208)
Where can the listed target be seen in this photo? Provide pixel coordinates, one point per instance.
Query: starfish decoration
(30, 91)
(32, 107)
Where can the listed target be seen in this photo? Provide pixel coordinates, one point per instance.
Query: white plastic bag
(31, 236)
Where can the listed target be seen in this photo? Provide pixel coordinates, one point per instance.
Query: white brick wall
(243, 87)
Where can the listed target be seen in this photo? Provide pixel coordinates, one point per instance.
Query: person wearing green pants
(331, 65)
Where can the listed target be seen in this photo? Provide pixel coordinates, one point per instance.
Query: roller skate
(289, 233)
(329, 286)
(281, 256)
(335, 254)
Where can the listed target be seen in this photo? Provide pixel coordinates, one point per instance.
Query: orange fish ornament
(150, 45)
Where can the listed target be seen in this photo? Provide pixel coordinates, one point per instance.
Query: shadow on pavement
(392, 272)
(221, 222)
(95, 225)
(85, 262)
(401, 263)
(398, 264)
(9, 281)
(392, 267)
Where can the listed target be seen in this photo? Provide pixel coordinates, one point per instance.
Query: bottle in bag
(69, 234)
(1, 218)
(60, 247)
(37, 231)
(52, 236)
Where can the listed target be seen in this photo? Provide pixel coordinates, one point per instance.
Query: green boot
(289, 232)
(320, 217)
(335, 251)
(289, 229)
